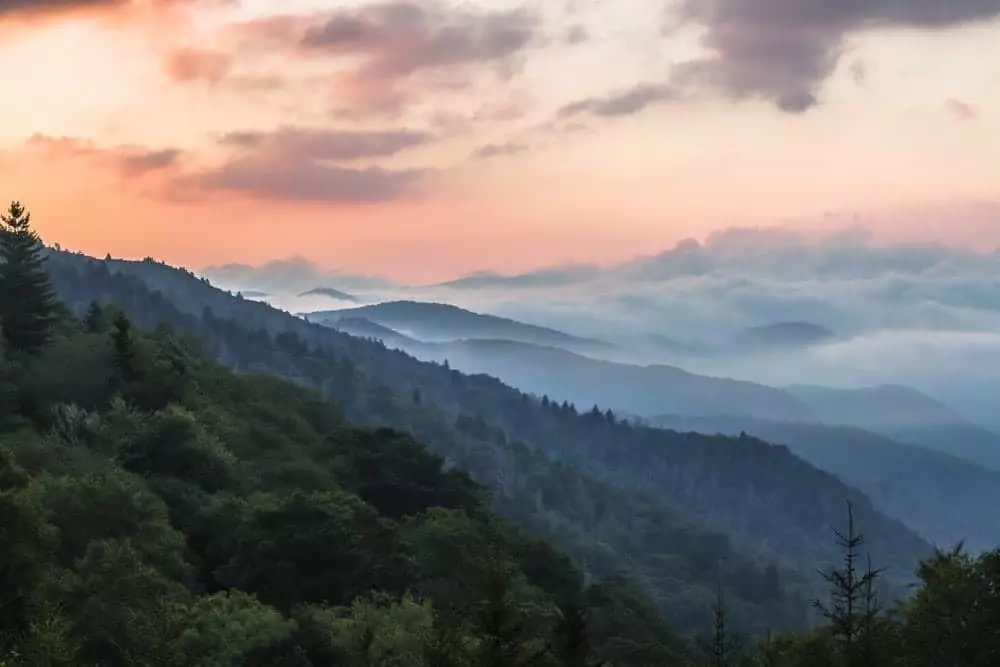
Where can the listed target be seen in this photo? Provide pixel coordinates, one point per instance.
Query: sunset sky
(421, 139)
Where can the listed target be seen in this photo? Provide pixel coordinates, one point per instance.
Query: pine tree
(722, 647)
(93, 321)
(853, 607)
(28, 310)
(124, 349)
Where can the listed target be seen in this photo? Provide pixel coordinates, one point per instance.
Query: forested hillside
(945, 498)
(605, 528)
(158, 509)
(678, 511)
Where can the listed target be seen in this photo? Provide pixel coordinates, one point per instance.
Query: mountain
(944, 498)
(362, 328)
(160, 509)
(331, 293)
(782, 335)
(554, 277)
(903, 414)
(675, 511)
(443, 322)
(642, 390)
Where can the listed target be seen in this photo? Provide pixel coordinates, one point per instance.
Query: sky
(425, 139)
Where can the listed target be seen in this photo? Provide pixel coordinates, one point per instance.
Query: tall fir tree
(853, 605)
(28, 307)
(94, 320)
(722, 648)
(124, 349)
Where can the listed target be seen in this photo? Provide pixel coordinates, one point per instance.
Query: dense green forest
(158, 509)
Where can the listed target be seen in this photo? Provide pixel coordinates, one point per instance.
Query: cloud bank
(918, 314)
(783, 50)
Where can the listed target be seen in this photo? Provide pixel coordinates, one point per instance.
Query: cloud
(300, 179)
(143, 161)
(961, 110)
(290, 164)
(925, 315)
(187, 65)
(622, 103)
(26, 8)
(747, 277)
(500, 150)
(46, 9)
(783, 50)
(301, 164)
(394, 42)
(293, 275)
(400, 38)
(326, 144)
(125, 160)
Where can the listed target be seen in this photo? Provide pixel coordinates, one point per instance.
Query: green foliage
(158, 509)
(27, 299)
(225, 628)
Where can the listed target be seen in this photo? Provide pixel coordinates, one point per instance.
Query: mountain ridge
(742, 489)
(433, 321)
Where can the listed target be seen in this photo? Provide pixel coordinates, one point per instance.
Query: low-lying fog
(836, 311)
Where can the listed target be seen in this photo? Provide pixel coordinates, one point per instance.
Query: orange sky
(421, 140)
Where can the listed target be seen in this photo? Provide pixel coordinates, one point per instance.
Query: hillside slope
(159, 509)
(444, 322)
(903, 414)
(643, 390)
(545, 457)
(944, 498)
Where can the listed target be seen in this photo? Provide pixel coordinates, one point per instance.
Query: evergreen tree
(28, 309)
(853, 606)
(124, 350)
(722, 647)
(93, 320)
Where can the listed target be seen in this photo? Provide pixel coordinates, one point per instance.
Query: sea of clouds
(923, 315)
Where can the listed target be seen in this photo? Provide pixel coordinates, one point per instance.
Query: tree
(574, 648)
(721, 648)
(93, 320)
(28, 309)
(124, 346)
(853, 608)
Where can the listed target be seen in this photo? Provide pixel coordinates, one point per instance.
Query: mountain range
(548, 362)
(444, 322)
(331, 293)
(676, 511)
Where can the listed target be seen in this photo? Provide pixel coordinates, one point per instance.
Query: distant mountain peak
(331, 293)
(435, 321)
